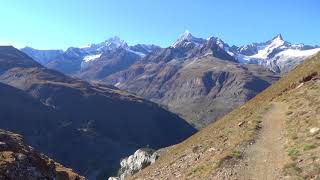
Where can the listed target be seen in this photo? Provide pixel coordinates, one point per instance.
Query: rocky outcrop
(135, 163)
(19, 161)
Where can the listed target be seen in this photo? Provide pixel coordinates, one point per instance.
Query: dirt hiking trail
(265, 159)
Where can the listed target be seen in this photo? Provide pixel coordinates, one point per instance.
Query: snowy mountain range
(276, 54)
(113, 53)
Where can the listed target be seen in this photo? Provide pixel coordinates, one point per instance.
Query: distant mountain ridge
(192, 76)
(42, 56)
(68, 118)
(276, 54)
(83, 61)
(196, 78)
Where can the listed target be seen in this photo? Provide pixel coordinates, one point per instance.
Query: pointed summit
(278, 37)
(187, 37)
(276, 42)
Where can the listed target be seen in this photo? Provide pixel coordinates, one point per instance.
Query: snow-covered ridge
(277, 54)
(298, 52)
(265, 50)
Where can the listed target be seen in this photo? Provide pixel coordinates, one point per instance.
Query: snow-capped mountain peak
(276, 42)
(109, 44)
(115, 42)
(278, 38)
(187, 38)
(266, 49)
(276, 54)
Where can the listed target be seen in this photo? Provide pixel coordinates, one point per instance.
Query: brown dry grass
(200, 155)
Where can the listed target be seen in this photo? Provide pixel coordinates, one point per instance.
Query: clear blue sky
(51, 24)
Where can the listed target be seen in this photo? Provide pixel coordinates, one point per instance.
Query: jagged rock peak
(278, 37)
(116, 41)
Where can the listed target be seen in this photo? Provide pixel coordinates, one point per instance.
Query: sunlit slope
(225, 148)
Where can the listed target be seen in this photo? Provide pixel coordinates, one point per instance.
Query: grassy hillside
(288, 110)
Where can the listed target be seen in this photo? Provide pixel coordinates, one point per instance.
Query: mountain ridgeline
(195, 78)
(199, 79)
(86, 126)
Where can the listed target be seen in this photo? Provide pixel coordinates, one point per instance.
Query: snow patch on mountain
(298, 52)
(137, 53)
(265, 50)
(91, 57)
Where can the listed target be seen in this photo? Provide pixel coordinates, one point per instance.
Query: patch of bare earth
(264, 158)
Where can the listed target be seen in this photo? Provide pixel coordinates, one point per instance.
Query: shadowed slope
(89, 127)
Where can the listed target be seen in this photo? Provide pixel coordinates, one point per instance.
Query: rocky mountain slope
(19, 161)
(275, 136)
(88, 127)
(195, 78)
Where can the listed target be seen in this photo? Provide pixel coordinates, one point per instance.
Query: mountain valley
(199, 79)
(68, 118)
(105, 101)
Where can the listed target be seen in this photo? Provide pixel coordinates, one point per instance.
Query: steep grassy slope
(88, 127)
(225, 149)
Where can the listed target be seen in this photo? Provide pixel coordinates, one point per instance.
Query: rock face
(77, 122)
(21, 162)
(195, 78)
(136, 162)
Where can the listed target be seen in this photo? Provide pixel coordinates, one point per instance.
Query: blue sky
(51, 24)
